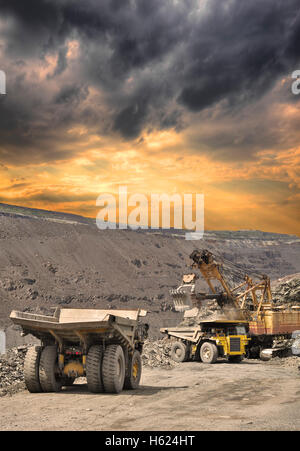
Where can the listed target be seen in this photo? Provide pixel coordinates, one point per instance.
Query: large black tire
(50, 380)
(132, 380)
(113, 369)
(31, 369)
(93, 369)
(179, 352)
(208, 352)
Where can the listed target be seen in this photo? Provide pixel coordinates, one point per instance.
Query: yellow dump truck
(104, 346)
(209, 340)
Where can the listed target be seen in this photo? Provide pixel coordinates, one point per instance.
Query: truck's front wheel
(208, 352)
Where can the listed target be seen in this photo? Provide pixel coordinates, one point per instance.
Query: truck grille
(235, 344)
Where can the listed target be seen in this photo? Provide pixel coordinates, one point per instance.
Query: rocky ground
(286, 290)
(11, 370)
(192, 396)
(156, 354)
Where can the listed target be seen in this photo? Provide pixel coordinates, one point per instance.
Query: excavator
(244, 322)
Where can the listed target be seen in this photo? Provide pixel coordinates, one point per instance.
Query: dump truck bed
(73, 324)
(190, 333)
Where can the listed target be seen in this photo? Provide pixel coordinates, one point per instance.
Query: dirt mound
(286, 291)
(287, 362)
(157, 354)
(11, 370)
(209, 310)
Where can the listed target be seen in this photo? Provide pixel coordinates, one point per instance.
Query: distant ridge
(7, 209)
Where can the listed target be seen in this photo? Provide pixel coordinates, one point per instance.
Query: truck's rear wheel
(113, 369)
(31, 369)
(132, 381)
(179, 351)
(50, 379)
(93, 369)
(208, 352)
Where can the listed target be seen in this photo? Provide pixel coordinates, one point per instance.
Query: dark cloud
(150, 61)
(130, 120)
(61, 62)
(13, 187)
(237, 52)
(57, 197)
(71, 94)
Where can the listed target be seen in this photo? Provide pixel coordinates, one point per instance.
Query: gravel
(287, 291)
(157, 354)
(11, 370)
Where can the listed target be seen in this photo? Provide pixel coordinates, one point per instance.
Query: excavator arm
(185, 296)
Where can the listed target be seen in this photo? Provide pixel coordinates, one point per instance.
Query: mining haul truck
(209, 340)
(249, 303)
(104, 346)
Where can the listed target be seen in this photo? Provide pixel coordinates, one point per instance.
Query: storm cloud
(137, 65)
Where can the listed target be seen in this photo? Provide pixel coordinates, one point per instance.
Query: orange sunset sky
(187, 97)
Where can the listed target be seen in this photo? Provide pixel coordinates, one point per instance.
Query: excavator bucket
(182, 298)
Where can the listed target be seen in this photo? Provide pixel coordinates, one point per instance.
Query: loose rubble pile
(157, 354)
(287, 291)
(287, 362)
(212, 311)
(11, 370)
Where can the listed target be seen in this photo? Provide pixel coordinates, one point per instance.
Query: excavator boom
(185, 297)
